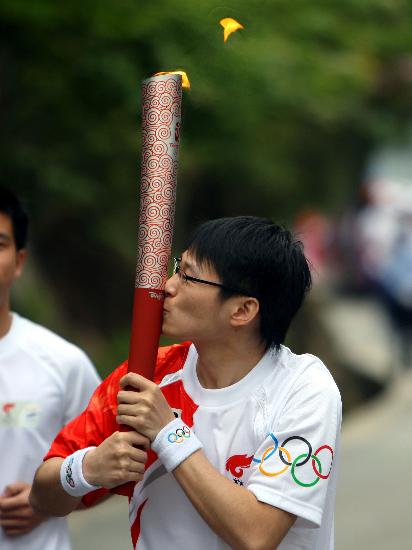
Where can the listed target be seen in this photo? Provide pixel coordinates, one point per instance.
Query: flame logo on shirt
(237, 463)
(7, 407)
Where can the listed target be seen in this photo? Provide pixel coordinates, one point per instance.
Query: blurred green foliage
(279, 118)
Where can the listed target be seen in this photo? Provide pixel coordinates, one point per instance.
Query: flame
(230, 25)
(185, 79)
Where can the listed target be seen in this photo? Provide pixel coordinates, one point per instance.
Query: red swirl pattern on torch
(161, 108)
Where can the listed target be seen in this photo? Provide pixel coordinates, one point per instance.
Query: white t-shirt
(283, 418)
(44, 382)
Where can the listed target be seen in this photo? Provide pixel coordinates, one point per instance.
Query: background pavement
(105, 527)
(374, 503)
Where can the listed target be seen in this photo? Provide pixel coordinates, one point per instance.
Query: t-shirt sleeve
(95, 423)
(81, 382)
(293, 468)
(92, 426)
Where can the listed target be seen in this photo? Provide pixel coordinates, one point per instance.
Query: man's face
(11, 260)
(193, 311)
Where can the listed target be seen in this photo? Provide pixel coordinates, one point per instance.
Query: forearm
(231, 511)
(114, 462)
(47, 497)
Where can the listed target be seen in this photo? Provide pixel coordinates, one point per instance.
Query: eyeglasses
(179, 271)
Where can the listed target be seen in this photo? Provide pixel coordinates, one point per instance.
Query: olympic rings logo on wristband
(300, 460)
(69, 473)
(179, 435)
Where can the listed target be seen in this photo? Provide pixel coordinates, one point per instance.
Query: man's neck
(223, 364)
(5, 317)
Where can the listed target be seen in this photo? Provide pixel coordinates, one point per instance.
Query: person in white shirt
(44, 382)
(239, 437)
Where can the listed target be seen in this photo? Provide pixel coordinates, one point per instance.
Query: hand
(145, 410)
(116, 461)
(17, 517)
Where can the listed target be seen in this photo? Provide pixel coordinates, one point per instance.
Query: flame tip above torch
(185, 78)
(230, 25)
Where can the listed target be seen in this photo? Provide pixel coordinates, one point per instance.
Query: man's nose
(171, 285)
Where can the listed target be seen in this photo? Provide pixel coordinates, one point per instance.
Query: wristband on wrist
(174, 443)
(71, 474)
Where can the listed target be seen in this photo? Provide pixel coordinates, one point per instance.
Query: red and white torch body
(161, 120)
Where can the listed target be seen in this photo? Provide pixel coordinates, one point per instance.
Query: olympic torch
(161, 120)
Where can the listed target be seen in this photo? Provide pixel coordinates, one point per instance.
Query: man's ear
(245, 310)
(20, 259)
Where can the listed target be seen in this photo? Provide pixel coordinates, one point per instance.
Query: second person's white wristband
(174, 443)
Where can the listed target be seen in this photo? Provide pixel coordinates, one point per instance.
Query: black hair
(11, 207)
(261, 258)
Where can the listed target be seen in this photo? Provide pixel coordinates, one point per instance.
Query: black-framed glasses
(179, 271)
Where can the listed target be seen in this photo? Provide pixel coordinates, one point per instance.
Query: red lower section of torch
(146, 329)
(144, 341)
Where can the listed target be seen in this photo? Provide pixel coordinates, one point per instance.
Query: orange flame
(185, 79)
(230, 25)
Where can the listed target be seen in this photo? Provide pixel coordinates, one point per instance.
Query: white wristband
(174, 443)
(71, 474)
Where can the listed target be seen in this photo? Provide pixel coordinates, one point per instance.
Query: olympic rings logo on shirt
(179, 435)
(300, 460)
